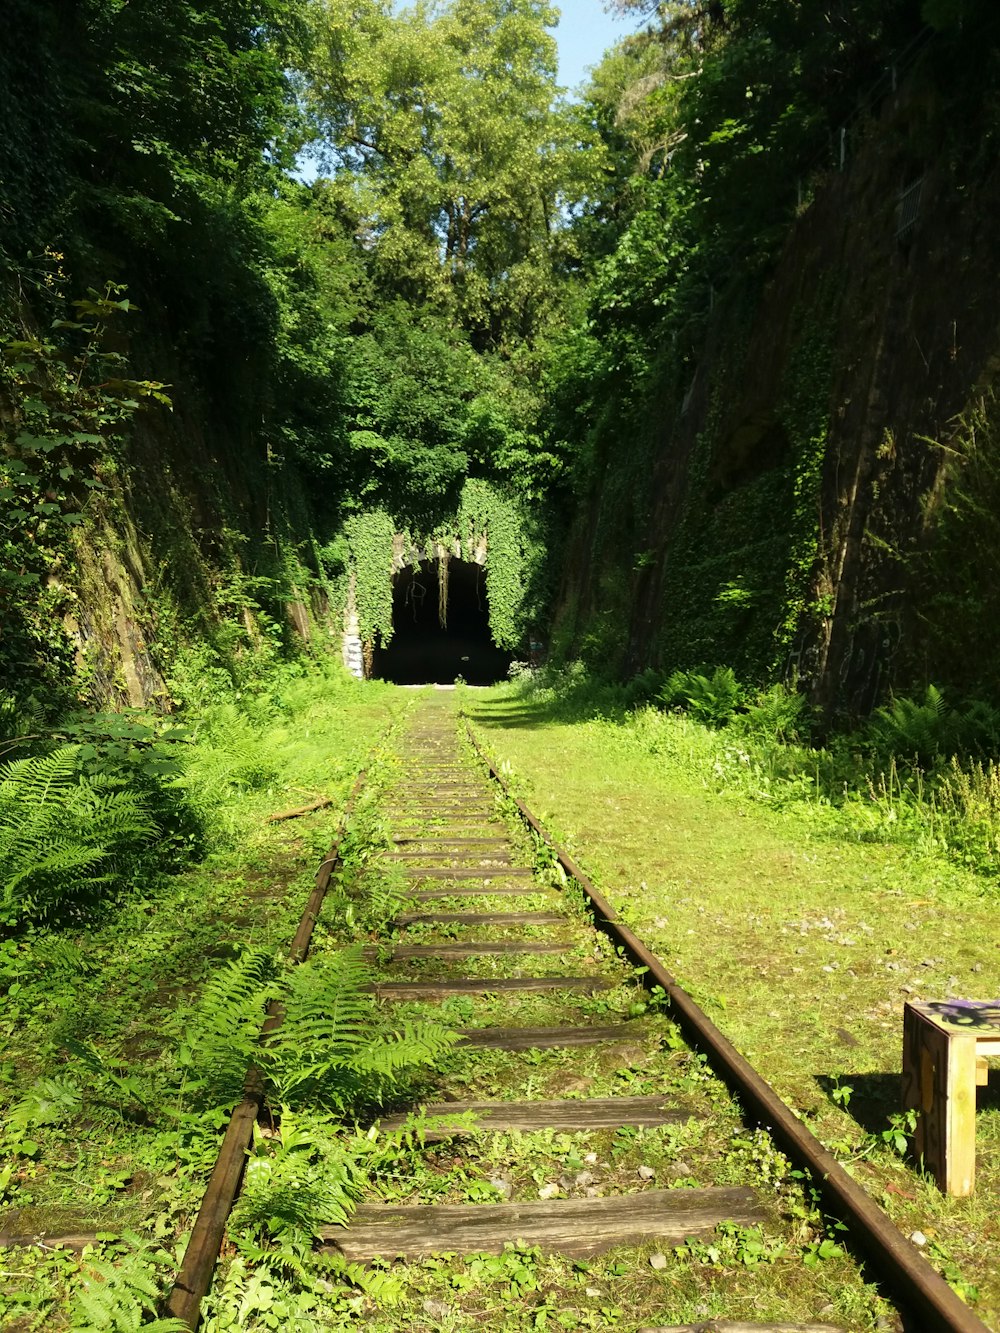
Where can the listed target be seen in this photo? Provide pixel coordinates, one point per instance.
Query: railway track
(569, 1027)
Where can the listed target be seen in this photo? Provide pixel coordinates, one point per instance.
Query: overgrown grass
(802, 895)
(920, 773)
(111, 1101)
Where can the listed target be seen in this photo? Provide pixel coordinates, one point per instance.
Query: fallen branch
(302, 810)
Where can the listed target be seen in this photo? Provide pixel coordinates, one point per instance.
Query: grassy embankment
(801, 924)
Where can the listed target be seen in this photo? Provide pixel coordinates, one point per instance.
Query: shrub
(710, 698)
(777, 713)
(64, 837)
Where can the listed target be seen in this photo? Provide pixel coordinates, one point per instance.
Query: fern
(310, 1177)
(777, 713)
(380, 895)
(332, 1047)
(712, 699)
(332, 1050)
(295, 1185)
(50, 1101)
(119, 1296)
(60, 957)
(910, 729)
(232, 760)
(222, 1040)
(61, 835)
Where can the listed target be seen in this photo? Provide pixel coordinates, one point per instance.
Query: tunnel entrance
(422, 652)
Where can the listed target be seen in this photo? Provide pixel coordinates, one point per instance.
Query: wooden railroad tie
(439, 990)
(728, 1326)
(476, 891)
(449, 817)
(438, 841)
(465, 949)
(435, 785)
(480, 918)
(565, 1114)
(471, 872)
(485, 859)
(431, 814)
(537, 1039)
(578, 1227)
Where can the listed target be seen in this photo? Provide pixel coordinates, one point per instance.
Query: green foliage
(63, 837)
(50, 1101)
(711, 163)
(956, 571)
(776, 714)
(370, 537)
(488, 525)
(710, 698)
(905, 727)
(804, 413)
(930, 730)
(333, 1050)
(485, 515)
(33, 182)
(872, 784)
(451, 152)
(221, 1042)
(120, 1293)
(297, 1183)
(71, 402)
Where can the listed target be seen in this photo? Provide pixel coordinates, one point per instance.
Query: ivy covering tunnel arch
(486, 528)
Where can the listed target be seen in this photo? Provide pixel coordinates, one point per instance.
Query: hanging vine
(488, 520)
(443, 558)
(370, 538)
(486, 531)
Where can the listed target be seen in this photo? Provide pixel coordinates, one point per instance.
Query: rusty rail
(916, 1284)
(202, 1253)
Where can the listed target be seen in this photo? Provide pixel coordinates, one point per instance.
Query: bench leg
(939, 1083)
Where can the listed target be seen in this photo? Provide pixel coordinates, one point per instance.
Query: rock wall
(800, 474)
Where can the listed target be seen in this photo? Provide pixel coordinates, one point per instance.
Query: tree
(452, 150)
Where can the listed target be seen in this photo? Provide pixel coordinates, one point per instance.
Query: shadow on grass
(874, 1097)
(573, 701)
(877, 1096)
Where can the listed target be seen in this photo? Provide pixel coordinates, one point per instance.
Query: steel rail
(202, 1254)
(904, 1269)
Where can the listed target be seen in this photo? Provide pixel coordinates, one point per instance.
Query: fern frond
(381, 895)
(59, 835)
(119, 1296)
(381, 1284)
(40, 778)
(415, 1044)
(50, 1101)
(60, 956)
(224, 1033)
(327, 1005)
(331, 1045)
(293, 1187)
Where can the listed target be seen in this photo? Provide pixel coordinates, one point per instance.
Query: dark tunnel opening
(421, 652)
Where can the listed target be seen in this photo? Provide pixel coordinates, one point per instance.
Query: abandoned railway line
(506, 937)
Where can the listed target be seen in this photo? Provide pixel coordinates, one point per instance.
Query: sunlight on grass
(799, 933)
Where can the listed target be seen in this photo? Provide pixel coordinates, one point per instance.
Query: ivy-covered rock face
(70, 407)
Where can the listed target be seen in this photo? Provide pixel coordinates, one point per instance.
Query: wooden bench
(945, 1045)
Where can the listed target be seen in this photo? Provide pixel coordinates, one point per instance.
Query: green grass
(124, 1163)
(799, 933)
(788, 1268)
(104, 1002)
